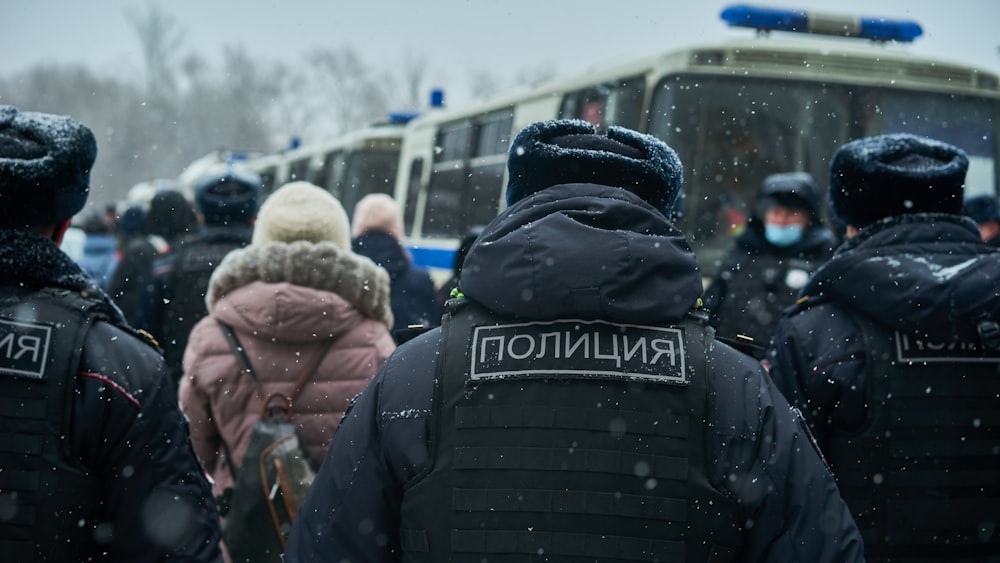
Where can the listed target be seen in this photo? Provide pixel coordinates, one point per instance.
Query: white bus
(733, 111)
(349, 166)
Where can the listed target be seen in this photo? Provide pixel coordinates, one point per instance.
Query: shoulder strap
(240, 353)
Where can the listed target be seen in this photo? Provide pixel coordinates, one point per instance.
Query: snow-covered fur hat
(377, 212)
(45, 163)
(302, 211)
(549, 153)
(877, 177)
(229, 196)
(982, 208)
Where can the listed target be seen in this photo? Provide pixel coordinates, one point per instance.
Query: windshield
(731, 132)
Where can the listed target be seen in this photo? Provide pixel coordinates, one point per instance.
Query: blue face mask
(783, 235)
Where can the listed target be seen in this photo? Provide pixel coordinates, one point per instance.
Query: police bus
(734, 112)
(349, 166)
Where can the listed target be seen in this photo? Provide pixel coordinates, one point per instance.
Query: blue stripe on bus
(424, 257)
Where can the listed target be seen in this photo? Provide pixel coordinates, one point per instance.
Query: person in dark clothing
(136, 252)
(573, 405)
(174, 300)
(892, 354)
(984, 210)
(450, 285)
(783, 243)
(377, 228)
(97, 463)
(171, 217)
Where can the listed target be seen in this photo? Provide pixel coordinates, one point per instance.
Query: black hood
(583, 251)
(927, 274)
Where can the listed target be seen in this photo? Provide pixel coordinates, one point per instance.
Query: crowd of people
(575, 392)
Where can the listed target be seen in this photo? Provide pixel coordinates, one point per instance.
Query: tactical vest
(922, 477)
(49, 503)
(569, 440)
(194, 263)
(762, 288)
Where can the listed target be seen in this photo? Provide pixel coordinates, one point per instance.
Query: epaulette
(744, 344)
(409, 333)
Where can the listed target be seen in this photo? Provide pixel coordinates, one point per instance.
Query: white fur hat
(302, 211)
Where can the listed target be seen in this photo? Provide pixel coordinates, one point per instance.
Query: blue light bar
(402, 117)
(801, 21)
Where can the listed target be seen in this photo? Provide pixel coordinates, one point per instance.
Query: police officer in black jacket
(893, 355)
(574, 405)
(95, 459)
(783, 243)
(174, 300)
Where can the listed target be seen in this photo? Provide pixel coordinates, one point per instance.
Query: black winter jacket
(925, 279)
(126, 428)
(174, 299)
(758, 280)
(414, 301)
(588, 252)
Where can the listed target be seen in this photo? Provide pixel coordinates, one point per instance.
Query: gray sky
(454, 36)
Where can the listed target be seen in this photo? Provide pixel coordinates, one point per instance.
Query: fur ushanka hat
(45, 163)
(302, 211)
(550, 153)
(982, 208)
(896, 174)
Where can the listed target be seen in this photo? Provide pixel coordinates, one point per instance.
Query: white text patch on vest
(575, 349)
(24, 348)
(912, 349)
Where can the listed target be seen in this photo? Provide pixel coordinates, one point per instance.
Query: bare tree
(348, 95)
(160, 41)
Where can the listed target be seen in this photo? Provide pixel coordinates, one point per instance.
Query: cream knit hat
(302, 211)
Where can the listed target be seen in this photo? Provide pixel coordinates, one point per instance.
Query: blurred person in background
(377, 228)
(136, 253)
(984, 210)
(97, 461)
(783, 243)
(100, 247)
(174, 300)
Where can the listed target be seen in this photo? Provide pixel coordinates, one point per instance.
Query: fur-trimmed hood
(321, 266)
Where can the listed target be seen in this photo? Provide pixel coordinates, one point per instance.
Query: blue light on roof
(402, 116)
(801, 21)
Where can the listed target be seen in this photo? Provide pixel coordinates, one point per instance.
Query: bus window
(299, 170)
(611, 103)
(442, 209)
(467, 175)
(479, 204)
(333, 173)
(412, 194)
(368, 172)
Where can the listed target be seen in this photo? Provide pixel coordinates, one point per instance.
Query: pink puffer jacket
(286, 303)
